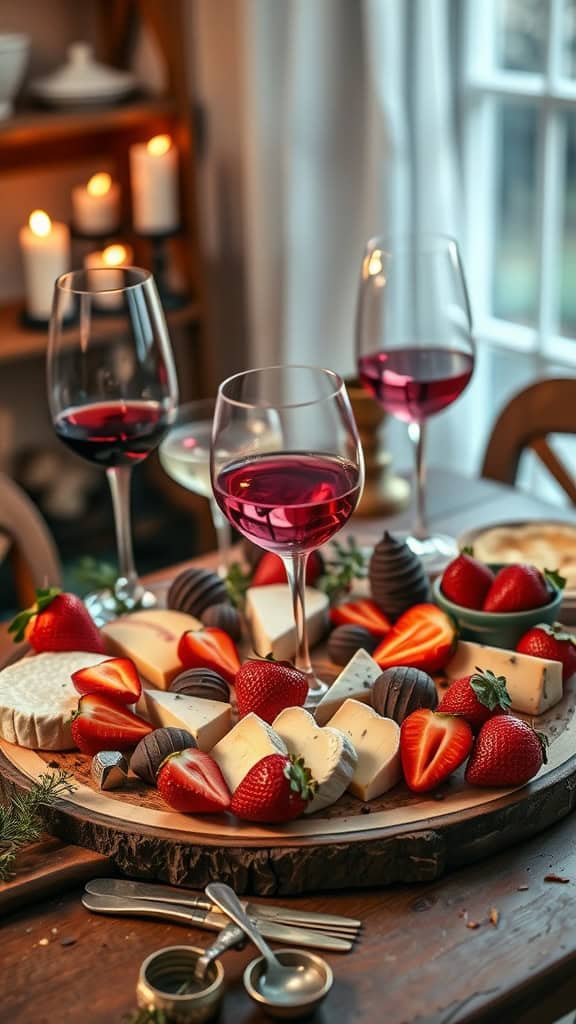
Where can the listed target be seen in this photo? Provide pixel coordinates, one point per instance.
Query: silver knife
(211, 921)
(333, 923)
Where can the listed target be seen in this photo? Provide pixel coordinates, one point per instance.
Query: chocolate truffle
(201, 682)
(344, 641)
(194, 590)
(397, 577)
(154, 747)
(400, 691)
(224, 616)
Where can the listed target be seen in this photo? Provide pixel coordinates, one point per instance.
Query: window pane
(568, 255)
(521, 34)
(569, 39)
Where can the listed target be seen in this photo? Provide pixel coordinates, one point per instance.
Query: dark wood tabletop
(488, 943)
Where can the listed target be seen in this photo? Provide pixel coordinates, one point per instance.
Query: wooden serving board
(400, 837)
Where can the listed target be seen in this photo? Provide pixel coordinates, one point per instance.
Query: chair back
(26, 540)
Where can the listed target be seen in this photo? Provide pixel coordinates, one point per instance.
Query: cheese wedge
(270, 618)
(206, 720)
(534, 684)
(37, 698)
(328, 753)
(355, 681)
(377, 744)
(248, 742)
(150, 639)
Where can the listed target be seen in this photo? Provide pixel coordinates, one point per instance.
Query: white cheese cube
(355, 681)
(328, 753)
(206, 720)
(377, 744)
(534, 684)
(248, 742)
(270, 617)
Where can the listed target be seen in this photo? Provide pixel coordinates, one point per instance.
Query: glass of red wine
(289, 488)
(113, 393)
(414, 347)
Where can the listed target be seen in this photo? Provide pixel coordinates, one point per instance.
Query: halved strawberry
(277, 788)
(362, 612)
(115, 678)
(423, 637)
(432, 746)
(191, 781)
(270, 569)
(209, 648)
(103, 724)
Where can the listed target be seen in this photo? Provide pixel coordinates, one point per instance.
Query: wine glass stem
(296, 572)
(223, 536)
(128, 583)
(417, 432)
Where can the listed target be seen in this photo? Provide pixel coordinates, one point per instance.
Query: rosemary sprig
(95, 575)
(348, 564)
(21, 821)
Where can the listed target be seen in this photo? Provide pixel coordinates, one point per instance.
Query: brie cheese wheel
(248, 742)
(355, 681)
(150, 638)
(377, 744)
(328, 753)
(534, 684)
(37, 698)
(206, 720)
(270, 618)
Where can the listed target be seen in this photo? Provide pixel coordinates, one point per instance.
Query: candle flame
(114, 255)
(159, 145)
(99, 184)
(40, 223)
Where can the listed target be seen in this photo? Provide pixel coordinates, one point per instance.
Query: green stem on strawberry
(553, 577)
(44, 597)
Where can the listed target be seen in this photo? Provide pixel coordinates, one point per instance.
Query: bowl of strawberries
(497, 604)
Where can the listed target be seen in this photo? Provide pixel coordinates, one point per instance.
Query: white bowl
(14, 52)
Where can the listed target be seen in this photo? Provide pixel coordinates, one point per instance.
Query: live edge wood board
(400, 837)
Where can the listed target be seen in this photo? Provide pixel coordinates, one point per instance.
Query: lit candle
(108, 263)
(96, 206)
(154, 180)
(45, 248)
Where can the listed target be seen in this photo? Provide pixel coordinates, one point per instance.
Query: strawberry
(266, 687)
(102, 724)
(553, 642)
(518, 588)
(57, 622)
(270, 569)
(432, 746)
(209, 648)
(466, 581)
(507, 752)
(115, 678)
(476, 698)
(423, 637)
(363, 612)
(191, 781)
(277, 788)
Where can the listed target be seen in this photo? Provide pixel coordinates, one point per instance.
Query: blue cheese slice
(270, 618)
(377, 744)
(355, 682)
(534, 684)
(328, 753)
(206, 720)
(248, 742)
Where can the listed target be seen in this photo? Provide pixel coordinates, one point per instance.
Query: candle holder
(159, 265)
(384, 493)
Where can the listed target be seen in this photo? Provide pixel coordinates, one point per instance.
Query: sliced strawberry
(507, 752)
(191, 781)
(103, 724)
(209, 648)
(432, 746)
(362, 612)
(476, 698)
(115, 678)
(270, 569)
(423, 637)
(266, 687)
(277, 788)
(57, 622)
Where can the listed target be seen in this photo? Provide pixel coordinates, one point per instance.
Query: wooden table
(428, 954)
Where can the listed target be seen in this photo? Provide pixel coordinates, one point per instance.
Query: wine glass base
(317, 689)
(103, 606)
(434, 551)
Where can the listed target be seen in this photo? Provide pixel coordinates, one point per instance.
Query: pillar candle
(45, 249)
(107, 262)
(154, 181)
(96, 206)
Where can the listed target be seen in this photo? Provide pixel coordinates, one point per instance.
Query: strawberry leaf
(554, 577)
(490, 690)
(44, 597)
(544, 743)
(467, 550)
(237, 582)
(556, 630)
(299, 777)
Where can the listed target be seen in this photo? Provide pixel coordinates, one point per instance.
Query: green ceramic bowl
(497, 629)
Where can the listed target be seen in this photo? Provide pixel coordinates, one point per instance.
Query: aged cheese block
(248, 742)
(270, 617)
(206, 720)
(377, 744)
(355, 681)
(37, 698)
(328, 753)
(534, 684)
(151, 639)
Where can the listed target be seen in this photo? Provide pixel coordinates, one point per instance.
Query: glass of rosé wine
(289, 490)
(113, 393)
(414, 348)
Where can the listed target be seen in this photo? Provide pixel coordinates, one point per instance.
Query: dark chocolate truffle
(154, 747)
(344, 641)
(224, 616)
(194, 590)
(397, 577)
(201, 682)
(400, 691)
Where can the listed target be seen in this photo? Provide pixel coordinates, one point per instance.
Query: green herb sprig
(21, 821)
(349, 563)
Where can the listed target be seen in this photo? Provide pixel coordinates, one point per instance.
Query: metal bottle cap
(109, 769)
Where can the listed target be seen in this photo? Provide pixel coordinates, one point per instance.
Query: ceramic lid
(83, 77)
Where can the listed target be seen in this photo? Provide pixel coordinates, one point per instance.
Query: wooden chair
(544, 408)
(27, 542)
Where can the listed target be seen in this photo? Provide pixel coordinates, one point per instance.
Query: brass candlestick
(384, 493)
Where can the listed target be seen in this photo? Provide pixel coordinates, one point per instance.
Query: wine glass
(414, 348)
(113, 393)
(289, 490)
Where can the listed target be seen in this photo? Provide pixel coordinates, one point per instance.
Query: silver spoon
(231, 937)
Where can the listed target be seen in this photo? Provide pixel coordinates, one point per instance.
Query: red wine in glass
(414, 383)
(113, 433)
